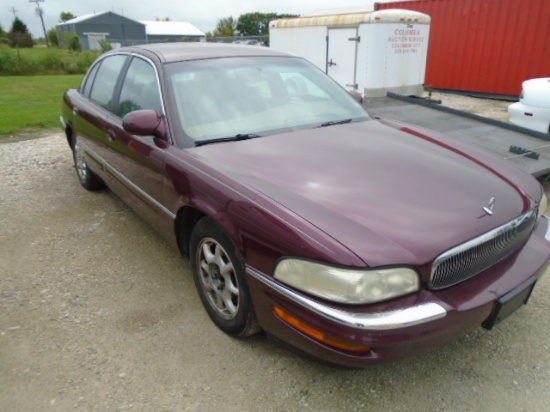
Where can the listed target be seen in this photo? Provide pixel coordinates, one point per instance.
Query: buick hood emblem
(489, 208)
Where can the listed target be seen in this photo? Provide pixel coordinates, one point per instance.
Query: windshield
(221, 99)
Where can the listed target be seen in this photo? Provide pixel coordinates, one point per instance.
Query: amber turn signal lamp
(317, 334)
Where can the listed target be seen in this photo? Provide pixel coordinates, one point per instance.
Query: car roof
(175, 52)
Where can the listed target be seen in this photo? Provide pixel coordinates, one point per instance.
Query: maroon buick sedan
(354, 240)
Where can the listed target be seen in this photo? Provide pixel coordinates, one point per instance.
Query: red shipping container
(484, 46)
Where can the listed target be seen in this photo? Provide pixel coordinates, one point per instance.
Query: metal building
(169, 31)
(484, 46)
(92, 28)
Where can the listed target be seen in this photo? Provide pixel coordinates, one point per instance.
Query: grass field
(28, 103)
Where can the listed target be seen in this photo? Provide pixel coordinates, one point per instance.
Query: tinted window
(105, 80)
(140, 89)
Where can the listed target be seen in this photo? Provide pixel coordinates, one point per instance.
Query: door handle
(331, 63)
(75, 111)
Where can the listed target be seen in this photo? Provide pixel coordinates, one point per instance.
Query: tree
(74, 43)
(66, 16)
(18, 26)
(256, 24)
(19, 35)
(225, 27)
(52, 37)
(105, 45)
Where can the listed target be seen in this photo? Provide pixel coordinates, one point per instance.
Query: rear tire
(219, 274)
(88, 179)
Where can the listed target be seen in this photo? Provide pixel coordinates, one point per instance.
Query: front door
(138, 161)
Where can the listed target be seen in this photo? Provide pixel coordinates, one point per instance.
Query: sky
(203, 14)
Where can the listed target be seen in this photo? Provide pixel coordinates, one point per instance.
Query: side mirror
(145, 123)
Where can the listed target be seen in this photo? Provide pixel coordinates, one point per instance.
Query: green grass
(28, 103)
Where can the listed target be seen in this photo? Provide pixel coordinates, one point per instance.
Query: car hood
(389, 194)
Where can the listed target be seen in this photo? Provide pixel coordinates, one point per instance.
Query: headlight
(541, 208)
(351, 286)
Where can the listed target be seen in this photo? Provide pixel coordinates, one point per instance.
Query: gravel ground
(98, 313)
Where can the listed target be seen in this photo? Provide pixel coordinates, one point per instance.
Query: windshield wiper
(334, 122)
(237, 137)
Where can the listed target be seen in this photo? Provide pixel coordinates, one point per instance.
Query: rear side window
(90, 80)
(140, 89)
(105, 80)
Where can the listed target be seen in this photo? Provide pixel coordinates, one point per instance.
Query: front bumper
(403, 327)
(393, 319)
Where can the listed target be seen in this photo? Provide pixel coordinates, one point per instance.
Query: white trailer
(371, 52)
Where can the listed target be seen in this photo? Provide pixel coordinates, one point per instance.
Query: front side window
(140, 89)
(106, 79)
(226, 97)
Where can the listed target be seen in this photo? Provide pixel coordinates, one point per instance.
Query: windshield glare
(220, 98)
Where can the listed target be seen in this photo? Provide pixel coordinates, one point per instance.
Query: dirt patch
(26, 134)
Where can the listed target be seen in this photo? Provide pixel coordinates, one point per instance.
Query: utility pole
(40, 12)
(14, 12)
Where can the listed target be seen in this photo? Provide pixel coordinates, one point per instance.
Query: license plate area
(509, 303)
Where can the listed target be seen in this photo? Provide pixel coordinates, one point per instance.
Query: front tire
(219, 274)
(88, 179)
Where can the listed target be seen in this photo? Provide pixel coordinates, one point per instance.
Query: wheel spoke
(232, 287)
(206, 252)
(226, 270)
(219, 255)
(227, 299)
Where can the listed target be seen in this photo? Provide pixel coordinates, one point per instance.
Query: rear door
(91, 110)
(341, 56)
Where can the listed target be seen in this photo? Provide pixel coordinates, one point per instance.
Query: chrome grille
(479, 254)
